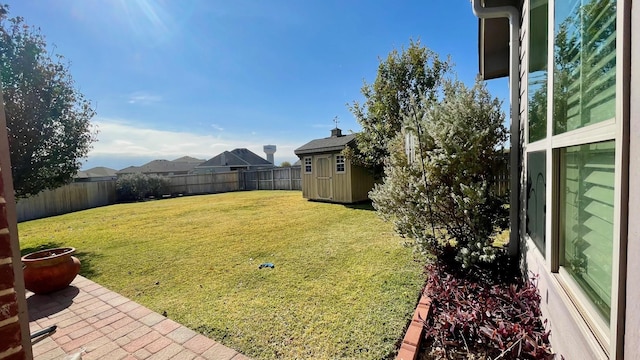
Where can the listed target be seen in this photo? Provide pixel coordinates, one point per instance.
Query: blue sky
(174, 78)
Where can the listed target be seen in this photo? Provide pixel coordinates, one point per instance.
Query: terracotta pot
(50, 270)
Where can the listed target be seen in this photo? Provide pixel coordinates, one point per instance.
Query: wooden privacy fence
(204, 183)
(86, 195)
(501, 186)
(272, 179)
(66, 199)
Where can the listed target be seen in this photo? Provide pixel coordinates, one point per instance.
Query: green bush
(443, 198)
(136, 187)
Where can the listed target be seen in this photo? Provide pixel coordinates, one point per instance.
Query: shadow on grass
(47, 245)
(87, 262)
(87, 258)
(365, 205)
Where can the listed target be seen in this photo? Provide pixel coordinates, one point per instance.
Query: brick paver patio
(101, 324)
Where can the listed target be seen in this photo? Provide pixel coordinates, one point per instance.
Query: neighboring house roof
(297, 163)
(189, 159)
(181, 165)
(236, 157)
(128, 170)
(99, 171)
(333, 143)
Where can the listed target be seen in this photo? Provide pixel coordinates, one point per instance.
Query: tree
(285, 164)
(444, 198)
(48, 120)
(403, 79)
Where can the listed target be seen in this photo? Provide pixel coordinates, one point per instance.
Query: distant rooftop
(99, 171)
(236, 157)
(180, 165)
(189, 159)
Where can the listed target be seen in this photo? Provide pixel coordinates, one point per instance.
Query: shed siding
(342, 182)
(351, 186)
(308, 183)
(361, 183)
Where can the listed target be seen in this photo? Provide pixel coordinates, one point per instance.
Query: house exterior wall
(566, 336)
(15, 342)
(632, 321)
(571, 335)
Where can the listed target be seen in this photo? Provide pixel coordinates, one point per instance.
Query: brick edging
(411, 342)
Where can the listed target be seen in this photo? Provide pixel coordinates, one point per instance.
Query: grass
(343, 286)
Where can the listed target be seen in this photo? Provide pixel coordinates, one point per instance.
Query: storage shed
(328, 176)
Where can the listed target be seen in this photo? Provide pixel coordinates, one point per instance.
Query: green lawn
(343, 286)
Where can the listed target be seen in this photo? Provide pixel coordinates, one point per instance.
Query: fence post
(290, 179)
(273, 181)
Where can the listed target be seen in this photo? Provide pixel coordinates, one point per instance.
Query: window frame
(527, 217)
(608, 338)
(307, 164)
(340, 160)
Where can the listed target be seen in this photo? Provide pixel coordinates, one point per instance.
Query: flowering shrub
(443, 198)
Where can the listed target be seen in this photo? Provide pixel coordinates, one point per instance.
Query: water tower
(269, 150)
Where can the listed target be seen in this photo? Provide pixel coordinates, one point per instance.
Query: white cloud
(217, 127)
(142, 98)
(122, 140)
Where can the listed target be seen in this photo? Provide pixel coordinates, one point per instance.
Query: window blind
(585, 62)
(587, 178)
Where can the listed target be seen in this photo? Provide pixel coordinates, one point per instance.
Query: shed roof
(236, 157)
(333, 143)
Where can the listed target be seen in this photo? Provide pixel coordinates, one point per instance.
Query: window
(536, 198)
(573, 148)
(586, 219)
(584, 94)
(585, 63)
(340, 163)
(537, 80)
(307, 165)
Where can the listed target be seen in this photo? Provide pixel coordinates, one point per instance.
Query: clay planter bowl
(50, 270)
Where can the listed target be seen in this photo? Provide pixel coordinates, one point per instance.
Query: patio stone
(199, 344)
(181, 334)
(102, 324)
(152, 319)
(219, 352)
(166, 326)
